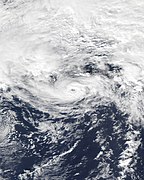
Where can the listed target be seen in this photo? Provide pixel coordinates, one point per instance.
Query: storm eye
(53, 78)
(72, 89)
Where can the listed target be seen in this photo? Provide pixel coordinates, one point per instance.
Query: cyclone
(71, 90)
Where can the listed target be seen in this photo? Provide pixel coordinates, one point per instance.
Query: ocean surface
(71, 90)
